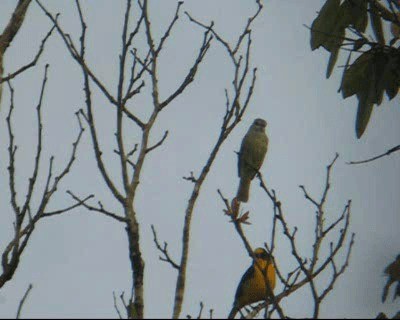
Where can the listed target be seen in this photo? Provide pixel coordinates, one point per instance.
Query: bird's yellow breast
(254, 288)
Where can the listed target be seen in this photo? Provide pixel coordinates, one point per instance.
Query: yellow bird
(252, 287)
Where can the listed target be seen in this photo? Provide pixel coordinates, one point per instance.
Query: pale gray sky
(76, 261)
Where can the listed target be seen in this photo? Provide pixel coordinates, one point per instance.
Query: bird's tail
(233, 312)
(244, 189)
(397, 291)
(386, 290)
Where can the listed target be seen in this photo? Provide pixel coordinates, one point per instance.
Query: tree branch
(21, 303)
(164, 250)
(159, 143)
(230, 120)
(390, 151)
(100, 209)
(32, 63)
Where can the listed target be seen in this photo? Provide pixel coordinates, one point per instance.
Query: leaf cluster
(377, 69)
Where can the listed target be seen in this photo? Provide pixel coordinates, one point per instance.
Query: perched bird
(251, 156)
(393, 273)
(253, 285)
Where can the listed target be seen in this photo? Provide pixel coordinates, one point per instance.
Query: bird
(253, 285)
(393, 273)
(251, 156)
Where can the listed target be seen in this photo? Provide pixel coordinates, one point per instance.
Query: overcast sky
(76, 261)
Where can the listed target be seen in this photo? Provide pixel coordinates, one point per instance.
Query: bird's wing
(239, 292)
(244, 149)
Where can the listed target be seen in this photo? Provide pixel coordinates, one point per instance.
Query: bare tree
(308, 268)
(26, 213)
(130, 84)
(139, 74)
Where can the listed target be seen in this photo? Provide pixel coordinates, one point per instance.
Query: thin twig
(32, 63)
(159, 143)
(60, 211)
(311, 272)
(191, 178)
(116, 306)
(392, 150)
(99, 209)
(164, 250)
(201, 310)
(21, 303)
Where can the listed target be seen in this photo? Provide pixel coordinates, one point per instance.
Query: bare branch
(201, 310)
(12, 149)
(21, 303)
(308, 197)
(335, 223)
(132, 93)
(337, 273)
(11, 255)
(132, 164)
(13, 25)
(191, 178)
(10, 32)
(60, 211)
(33, 179)
(79, 58)
(390, 151)
(230, 119)
(159, 143)
(327, 184)
(75, 53)
(164, 250)
(32, 63)
(89, 117)
(307, 273)
(116, 306)
(192, 72)
(99, 209)
(145, 64)
(215, 34)
(233, 211)
(167, 33)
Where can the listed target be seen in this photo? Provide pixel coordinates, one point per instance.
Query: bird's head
(263, 257)
(259, 125)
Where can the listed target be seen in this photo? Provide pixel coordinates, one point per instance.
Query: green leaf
(364, 111)
(376, 23)
(380, 64)
(346, 11)
(359, 14)
(332, 62)
(324, 23)
(391, 77)
(365, 105)
(355, 76)
(334, 41)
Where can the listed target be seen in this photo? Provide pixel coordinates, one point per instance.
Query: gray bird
(251, 156)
